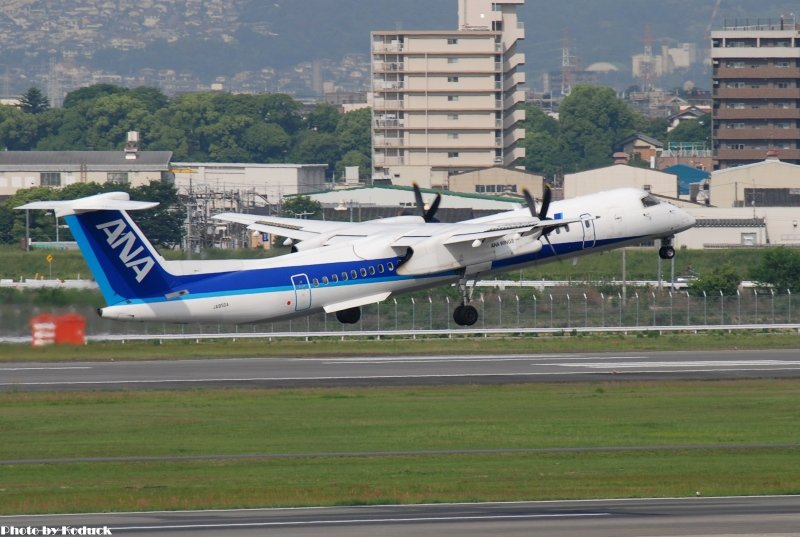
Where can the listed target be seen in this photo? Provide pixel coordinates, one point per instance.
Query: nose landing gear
(667, 251)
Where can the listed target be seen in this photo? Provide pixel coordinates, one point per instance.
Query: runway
(406, 370)
(775, 515)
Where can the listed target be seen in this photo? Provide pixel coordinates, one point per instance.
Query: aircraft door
(589, 236)
(302, 292)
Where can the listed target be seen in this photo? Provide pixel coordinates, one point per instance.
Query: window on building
(749, 239)
(50, 179)
(452, 41)
(118, 178)
(452, 60)
(452, 154)
(452, 98)
(452, 136)
(452, 79)
(782, 84)
(452, 116)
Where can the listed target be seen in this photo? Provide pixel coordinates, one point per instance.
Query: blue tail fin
(126, 266)
(122, 260)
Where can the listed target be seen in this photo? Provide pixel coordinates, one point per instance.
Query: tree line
(197, 127)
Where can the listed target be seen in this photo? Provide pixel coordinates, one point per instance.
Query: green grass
(467, 344)
(306, 421)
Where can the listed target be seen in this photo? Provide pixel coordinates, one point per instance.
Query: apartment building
(447, 101)
(756, 96)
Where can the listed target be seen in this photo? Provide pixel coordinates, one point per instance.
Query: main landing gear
(349, 316)
(667, 251)
(464, 314)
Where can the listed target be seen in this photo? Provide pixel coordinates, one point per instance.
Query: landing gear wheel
(349, 316)
(666, 252)
(465, 315)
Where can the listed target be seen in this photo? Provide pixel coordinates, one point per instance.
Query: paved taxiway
(372, 371)
(776, 515)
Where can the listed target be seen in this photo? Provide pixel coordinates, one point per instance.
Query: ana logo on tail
(118, 234)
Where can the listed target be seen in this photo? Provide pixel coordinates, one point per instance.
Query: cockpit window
(650, 200)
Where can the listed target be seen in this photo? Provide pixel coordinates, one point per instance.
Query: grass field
(748, 433)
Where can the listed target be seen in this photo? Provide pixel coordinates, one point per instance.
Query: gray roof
(38, 161)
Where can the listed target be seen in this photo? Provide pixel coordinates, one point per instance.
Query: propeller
(548, 196)
(430, 214)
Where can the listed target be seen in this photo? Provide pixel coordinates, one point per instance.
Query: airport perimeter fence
(556, 308)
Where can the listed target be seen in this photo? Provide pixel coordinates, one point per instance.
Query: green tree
(354, 131)
(323, 118)
(89, 94)
(592, 118)
(542, 146)
(162, 225)
(355, 158)
(266, 142)
(34, 101)
(316, 148)
(18, 131)
(780, 267)
(724, 278)
(301, 207)
(694, 130)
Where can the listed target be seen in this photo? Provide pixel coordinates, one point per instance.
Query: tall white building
(448, 101)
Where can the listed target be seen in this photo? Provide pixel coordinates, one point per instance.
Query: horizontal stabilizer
(108, 201)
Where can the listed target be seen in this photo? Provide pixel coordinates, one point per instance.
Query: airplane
(339, 267)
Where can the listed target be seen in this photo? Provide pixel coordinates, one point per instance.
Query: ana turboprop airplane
(339, 267)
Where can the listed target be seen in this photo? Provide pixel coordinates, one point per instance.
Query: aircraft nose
(686, 220)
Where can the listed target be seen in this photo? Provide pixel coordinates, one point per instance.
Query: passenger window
(344, 276)
(380, 268)
(315, 282)
(586, 223)
(363, 272)
(390, 266)
(353, 274)
(335, 278)
(324, 280)
(372, 271)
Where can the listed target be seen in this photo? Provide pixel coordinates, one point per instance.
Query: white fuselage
(366, 270)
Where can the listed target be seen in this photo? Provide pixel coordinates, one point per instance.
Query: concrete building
(769, 183)
(744, 227)
(25, 169)
(446, 101)
(497, 181)
(271, 182)
(756, 104)
(620, 176)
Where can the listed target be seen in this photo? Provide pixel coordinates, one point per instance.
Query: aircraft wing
(293, 228)
(473, 232)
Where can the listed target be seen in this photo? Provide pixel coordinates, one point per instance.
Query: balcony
(514, 117)
(387, 47)
(388, 123)
(388, 67)
(380, 160)
(755, 154)
(757, 134)
(757, 93)
(383, 141)
(760, 72)
(764, 112)
(389, 104)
